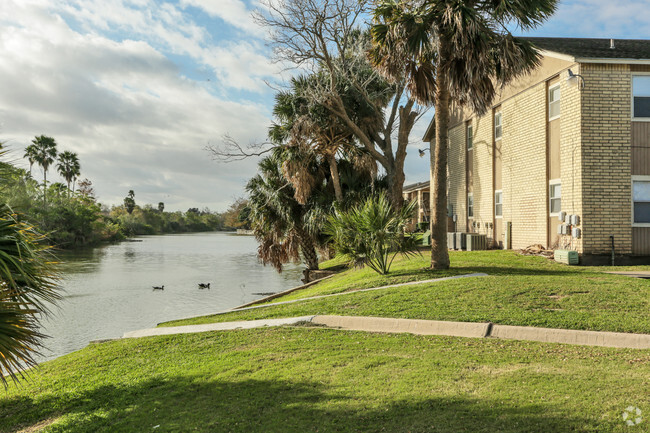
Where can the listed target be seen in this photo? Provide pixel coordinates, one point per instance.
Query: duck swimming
(204, 285)
(159, 287)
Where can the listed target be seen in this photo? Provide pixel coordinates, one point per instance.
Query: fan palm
(27, 287)
(30, 154)
(283, 227)
(68, 167)
(44, 155)
(453, 50)
(372, 233)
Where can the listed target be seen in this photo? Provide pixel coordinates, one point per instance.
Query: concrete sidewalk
(425, 327)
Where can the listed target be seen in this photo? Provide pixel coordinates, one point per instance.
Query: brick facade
(595, 155)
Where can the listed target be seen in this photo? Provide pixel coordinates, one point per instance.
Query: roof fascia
(557, 55)
(613, 61)
(431, 130)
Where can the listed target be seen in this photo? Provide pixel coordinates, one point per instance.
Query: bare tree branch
(230, 150)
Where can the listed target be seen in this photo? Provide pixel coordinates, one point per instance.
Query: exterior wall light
(422, 152)
(574, 79)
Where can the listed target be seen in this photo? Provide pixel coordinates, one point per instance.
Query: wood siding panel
(641, 241)
(640, 148)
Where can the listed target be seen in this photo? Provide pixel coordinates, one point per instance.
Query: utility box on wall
(568, 257)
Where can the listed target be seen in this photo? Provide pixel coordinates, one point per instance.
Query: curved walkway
(424, 327)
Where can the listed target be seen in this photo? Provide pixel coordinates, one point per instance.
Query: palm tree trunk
(439, 253)
(307, 249)
(44, 186)
(336, 180)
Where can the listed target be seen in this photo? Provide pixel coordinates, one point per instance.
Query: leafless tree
(327, 37)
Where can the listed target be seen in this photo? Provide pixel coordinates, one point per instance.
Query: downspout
(612, 238)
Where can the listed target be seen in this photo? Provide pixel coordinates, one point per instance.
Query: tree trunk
(307, 249)
(336, 180)
(44, 187)
(309, 253)
(439, 253)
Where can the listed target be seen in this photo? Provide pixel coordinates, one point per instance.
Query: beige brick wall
(595, 140)
(571, 154)
(482, 180)
(456, 192)
(606, 168)
(524, 166)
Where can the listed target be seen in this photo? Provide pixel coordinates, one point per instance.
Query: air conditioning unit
(476, 242)
(451, 241)
(568, 257)
(461, 241)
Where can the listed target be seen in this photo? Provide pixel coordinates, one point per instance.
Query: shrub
(372, 233)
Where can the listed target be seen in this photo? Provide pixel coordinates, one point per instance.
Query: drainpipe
(612, 238)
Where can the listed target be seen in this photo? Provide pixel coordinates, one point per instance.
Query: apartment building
(562, 158)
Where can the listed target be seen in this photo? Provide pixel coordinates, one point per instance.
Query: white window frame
(469, 139)
(550, 89)
(470, 198)
(636, 119)
(637, 178)
(498, 115)
(554, 182)
(498, 191)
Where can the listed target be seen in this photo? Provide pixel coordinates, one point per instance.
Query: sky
(139, 88)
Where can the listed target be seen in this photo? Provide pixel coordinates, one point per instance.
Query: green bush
(372, 233)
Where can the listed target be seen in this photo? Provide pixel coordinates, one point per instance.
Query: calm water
(108, 290)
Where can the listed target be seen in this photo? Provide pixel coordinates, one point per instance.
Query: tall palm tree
(68, 167)
(453, 50)
(30, 154)
(282, 225)
(44, 155)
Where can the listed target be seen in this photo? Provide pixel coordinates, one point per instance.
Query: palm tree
(453, 50)
(30, 154)
(28, 283)
(283, 227)
(44, 155)
(69, 167)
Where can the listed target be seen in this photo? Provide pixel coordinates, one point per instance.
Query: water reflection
(108, 290)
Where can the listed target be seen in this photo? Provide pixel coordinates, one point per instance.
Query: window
(641, 199)
(498, 129)
(498, 204)
(641, 96)
(554, 102)
(555, 197)
(470, 205)
(470, 138)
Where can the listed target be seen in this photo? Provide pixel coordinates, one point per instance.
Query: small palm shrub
(28, 285)
(372, 233)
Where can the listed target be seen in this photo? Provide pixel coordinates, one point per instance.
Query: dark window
(641, 96)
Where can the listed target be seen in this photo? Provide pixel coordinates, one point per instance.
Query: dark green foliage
(27, 287)
(372, 233)
(129, 202)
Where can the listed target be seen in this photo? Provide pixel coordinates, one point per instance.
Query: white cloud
(124, 107)
(234, 12)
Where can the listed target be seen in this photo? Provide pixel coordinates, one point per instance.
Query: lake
(108, 290)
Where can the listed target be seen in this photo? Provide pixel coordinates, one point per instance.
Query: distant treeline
(72, 217)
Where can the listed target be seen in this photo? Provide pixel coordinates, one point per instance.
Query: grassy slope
(313, 379)
(519, 290)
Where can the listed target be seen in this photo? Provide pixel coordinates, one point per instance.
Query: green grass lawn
(520, 290)
(313, 379)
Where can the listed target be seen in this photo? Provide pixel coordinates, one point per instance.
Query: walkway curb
(411, 326)
(568, 336)
(222, 326)
(425, 327)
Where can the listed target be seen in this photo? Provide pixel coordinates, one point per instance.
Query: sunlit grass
(520, 290)
(313, 379)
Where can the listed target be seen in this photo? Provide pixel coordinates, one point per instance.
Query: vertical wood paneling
(640, 148)
(641, 241)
